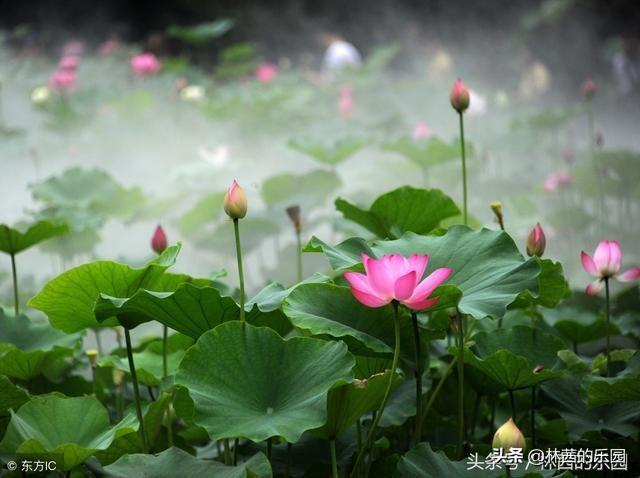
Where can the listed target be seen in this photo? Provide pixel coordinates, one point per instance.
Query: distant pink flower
(159, 240)
(108, 47)
(69, 62)
(394, 277)
(421, 130)
(345, 104)
(145, 64)
(605, 264)
(556, 180)
(266, 73)
(73, 48)
(589, 88)
(62, 80)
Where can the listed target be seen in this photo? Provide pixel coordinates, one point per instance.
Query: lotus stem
(227, 453)
(385, 398)
(16, 302)
(269, 448)
(299, 255)
(165, 347)
(235, 451)
(98, 341)
(287, 469)
(608, 316)
(358, 435)
(169, 421)
(136, 391)
(418, 372)
(460, 383)
(334, 459)
(236, 228)
(512, 401)
(464, 171)
(533, 417)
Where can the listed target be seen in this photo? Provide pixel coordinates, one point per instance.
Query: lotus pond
(250, 273)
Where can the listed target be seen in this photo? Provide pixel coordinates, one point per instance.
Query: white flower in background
(477, 104)
(40, 95)
(192, 93)
(215, 156)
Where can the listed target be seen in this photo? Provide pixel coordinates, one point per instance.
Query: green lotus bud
(509, 436)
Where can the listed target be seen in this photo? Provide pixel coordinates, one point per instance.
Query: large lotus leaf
(74, 428)
(29, 347)
(13, 241)
(578, 325)
(206, 211)
(327, 310)
(423, 462)
(623, 388)
(426, 152)
(552, 286)
(508, 356)
(402, 210)
(347, 403)
(68, 300)
(11, 396)
(308, 190)
(190, 310)
(175, 462)
(201, 33)
(149, 365)
(247, 381)
(486, 264)
(332, 154)
(568, 392)
(271, 297)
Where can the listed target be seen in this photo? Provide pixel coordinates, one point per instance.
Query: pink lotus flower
(62, 80)
(235, 201)
(266, 73)
(345, 104)
(73, 48)
(459, 96)
(159, 240)
(421, 130)
(589, 89)
(145, 64)
(536, 242)
(69, 62)
(605, 264)
(109, 47)
(394, 277)
(556, 180)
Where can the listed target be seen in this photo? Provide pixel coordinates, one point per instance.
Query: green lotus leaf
(508, 356)
(426, 152)
(205, 211)
(402, 210)
(68, 300)
(605, 391)
(74, 428)
(247, 381)
(176, 462)
(11, 396)
(29, 347)
(201, 33)
(13, 241)
(486, 265)
(578, 325)
(308, 190)
(149, 366)
(332, 154)
(552, 286)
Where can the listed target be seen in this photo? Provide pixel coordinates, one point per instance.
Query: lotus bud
(235, 202)
(159, 240)
(294, 214)
(496, 207)
(92, 355)
(536, 242)
(509, 436)
(118, 377)
(589, 89)
(459, 96)
(599, 139)
(538, 368)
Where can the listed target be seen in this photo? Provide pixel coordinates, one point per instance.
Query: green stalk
(136, 391)
(533, 417)
(435, 393)
(464, 171)
(460, 385)
(418, 372)
(287, 469)
(269, 447)
(334, 459)
(299, 256)
(236, 442)
(512, 401)
(98, 341)
(16, 302)
(608, 315)
(169, 421)
(385, 399)
(358, 435)
(165, 346)
(227, 453)
(236, 228)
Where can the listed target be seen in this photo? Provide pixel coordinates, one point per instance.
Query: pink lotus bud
(421, 131)
(294, 214)
(345, 104)
(509, 436)
(589, 89)
(62, 80)
(68, 62)
(536, 242)
(109, 47)
(159, 240)
(235, 202)
(266, 73)
(145, 64)
(459, 96)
